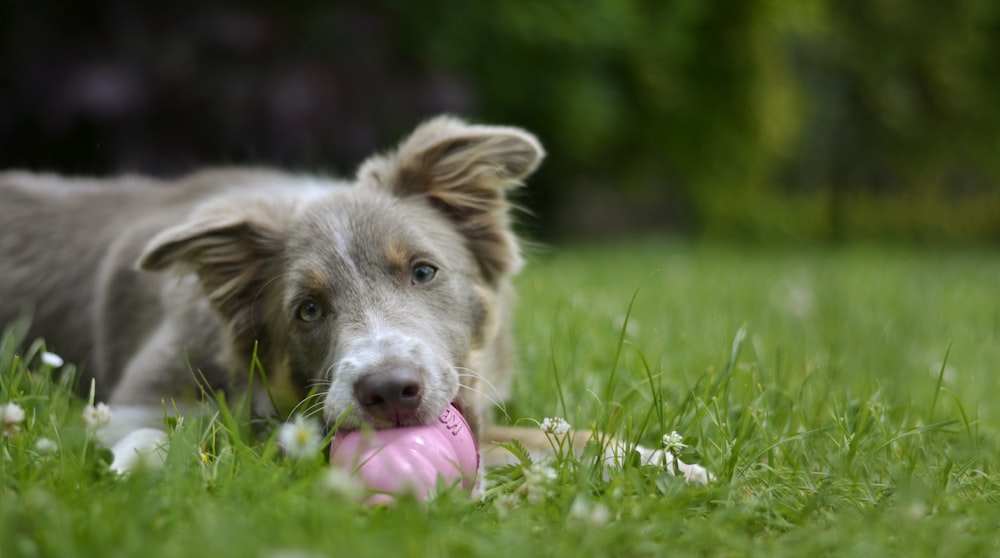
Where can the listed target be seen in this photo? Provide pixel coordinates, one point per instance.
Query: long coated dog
(388, 296)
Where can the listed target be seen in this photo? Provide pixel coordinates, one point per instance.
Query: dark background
(819, 120)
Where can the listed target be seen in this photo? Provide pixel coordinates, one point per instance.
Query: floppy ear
(465, 172)
(229, 251)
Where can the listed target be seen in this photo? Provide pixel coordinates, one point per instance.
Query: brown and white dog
(388, 296)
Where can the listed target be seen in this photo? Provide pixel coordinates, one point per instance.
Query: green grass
(844, 399)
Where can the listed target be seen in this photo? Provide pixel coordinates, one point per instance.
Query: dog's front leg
(136, 432)
(135, 436)
(616, 453)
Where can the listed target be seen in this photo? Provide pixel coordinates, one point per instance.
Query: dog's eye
(309, 311)
(422, 273)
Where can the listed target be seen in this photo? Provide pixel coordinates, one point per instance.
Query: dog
(374, 302)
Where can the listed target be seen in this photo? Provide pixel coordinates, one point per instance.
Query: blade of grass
(940, 381)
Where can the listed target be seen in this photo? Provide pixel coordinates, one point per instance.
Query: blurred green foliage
(756, 119)
(820, 119)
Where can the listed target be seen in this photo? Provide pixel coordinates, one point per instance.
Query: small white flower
(11, 417)
(537, 482)
(46, 446)
(338, 481)
(97, 416)
(300, 439)
(11, 413)
(673, 442)
(592, 513)
(555, 425)
(52, 360)
(540, 473)
(916, 510)
(504, 504)
(631, 326)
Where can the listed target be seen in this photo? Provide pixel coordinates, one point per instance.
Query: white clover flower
(555, 425)
(592, 513)
(11, 417)
(97, 416)
(53, 360)
(301, 438)
(537, 482)
(673, 442)
(46, 446)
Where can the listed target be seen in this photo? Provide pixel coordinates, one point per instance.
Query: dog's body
(388, 296)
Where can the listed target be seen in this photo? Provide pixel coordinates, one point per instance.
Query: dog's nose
(391, 395)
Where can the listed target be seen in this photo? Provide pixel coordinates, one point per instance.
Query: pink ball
(410, 460)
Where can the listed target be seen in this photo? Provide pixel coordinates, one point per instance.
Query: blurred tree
(903, 108)
(747, 119)
(677, 101)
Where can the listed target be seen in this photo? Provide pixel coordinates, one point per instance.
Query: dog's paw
(141, 447)
(618, 454)
(692, 473)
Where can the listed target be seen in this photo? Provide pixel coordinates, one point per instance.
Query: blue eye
(422, 274)
(309, 311)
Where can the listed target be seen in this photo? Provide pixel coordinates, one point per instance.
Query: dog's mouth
(460, 408)
(386, 425)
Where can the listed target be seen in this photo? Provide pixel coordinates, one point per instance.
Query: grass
(844, 399)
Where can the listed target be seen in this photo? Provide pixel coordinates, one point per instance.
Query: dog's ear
(464, 171)
(230, 251)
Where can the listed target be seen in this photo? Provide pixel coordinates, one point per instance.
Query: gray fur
(134, 277)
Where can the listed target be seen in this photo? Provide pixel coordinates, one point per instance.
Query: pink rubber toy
(410, 460)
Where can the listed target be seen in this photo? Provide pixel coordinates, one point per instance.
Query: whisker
(498, 404)
(318, 383)
(316, 408)
(306, 399)
(470, 373)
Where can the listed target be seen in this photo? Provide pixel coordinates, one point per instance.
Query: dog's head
(377, 293)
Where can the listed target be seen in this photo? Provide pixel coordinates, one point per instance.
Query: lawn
(842, 397)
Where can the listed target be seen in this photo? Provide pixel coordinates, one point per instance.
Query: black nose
(391, 395)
